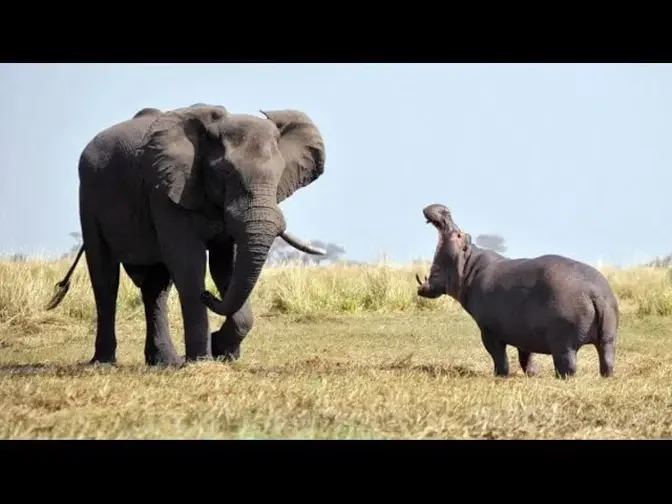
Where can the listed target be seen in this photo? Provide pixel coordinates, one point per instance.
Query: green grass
(336, 352)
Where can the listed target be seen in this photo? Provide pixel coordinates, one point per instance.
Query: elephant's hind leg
(104, 275)
(154, 282)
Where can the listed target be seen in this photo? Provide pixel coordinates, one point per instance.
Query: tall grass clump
(305, 289)
(295, 289)
(26, 287)
(648, 289)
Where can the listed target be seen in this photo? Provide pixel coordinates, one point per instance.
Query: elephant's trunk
(253, 241)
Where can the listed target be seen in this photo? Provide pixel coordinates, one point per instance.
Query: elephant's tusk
(301, 245)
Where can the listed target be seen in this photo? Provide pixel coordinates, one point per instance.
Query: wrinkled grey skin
(547, 305)
(160, 189)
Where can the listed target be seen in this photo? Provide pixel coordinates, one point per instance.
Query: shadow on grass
(39, 368)
(314, 366)
(435, 370)
(319, 366)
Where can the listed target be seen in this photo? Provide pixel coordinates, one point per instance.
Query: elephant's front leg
(226, 341)
(184, 256)
(189, 276)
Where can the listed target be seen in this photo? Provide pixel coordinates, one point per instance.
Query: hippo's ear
(459, 241)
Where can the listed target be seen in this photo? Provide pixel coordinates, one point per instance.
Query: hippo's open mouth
(438, 216)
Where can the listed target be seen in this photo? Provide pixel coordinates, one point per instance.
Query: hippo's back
(569, 274)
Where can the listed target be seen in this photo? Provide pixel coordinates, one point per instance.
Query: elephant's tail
(62, 287)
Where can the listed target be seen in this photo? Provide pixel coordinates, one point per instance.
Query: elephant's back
(112, 192)
(115, 147)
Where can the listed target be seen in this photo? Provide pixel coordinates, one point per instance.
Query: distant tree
(308, 258)
(75, 248)
(491, 241)
(18, 257)
(281, 253)
(292, 255)
(661, 262)
(334, 252)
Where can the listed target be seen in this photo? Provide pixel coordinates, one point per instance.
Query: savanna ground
(336, 352)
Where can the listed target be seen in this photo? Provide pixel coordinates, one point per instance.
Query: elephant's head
(447, 270)
(243, 165)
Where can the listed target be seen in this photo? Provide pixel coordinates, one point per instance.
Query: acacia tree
(75, 248)
(493, 242)
(333, 252)
(281, 252)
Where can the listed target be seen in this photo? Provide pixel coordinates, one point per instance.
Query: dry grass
(336, 352)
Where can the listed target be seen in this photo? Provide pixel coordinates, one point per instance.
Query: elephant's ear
(173, 152)
(302, 147)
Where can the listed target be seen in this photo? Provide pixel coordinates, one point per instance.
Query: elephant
(160, 189)
(546, 305)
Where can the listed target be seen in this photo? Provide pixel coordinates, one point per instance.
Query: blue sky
(573, 159)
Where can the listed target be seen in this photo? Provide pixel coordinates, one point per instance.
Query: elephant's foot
(223, 349)
(197, 346)
(163, 359)
(231, 354)
(103, 359)
(159, 350)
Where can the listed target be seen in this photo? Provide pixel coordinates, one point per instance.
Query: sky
(573, 159)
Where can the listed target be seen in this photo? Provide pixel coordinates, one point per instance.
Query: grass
(336, 352)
